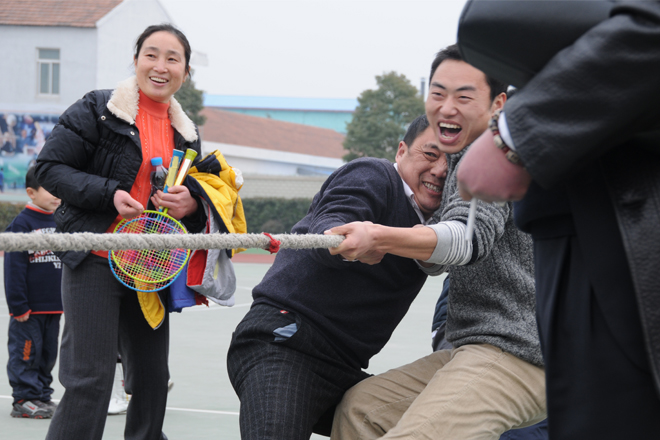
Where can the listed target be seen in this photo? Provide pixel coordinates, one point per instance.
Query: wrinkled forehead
(426, 141)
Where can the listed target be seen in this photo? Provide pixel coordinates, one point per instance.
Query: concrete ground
(202, 404)
(14, 195)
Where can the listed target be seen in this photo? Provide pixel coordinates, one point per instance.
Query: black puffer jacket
(95, 150)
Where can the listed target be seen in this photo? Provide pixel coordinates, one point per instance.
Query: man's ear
(401, 151)
(498, 102)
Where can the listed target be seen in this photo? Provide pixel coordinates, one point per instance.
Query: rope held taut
(274, 245)
(86, 241)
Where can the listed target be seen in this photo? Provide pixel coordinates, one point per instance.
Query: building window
(48, 65)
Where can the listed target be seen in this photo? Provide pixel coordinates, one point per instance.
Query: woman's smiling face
(160, 66)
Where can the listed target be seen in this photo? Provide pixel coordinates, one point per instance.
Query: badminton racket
(149, 270)
(177, 156)
(183, 170)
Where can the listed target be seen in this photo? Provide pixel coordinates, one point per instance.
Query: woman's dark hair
(452, 53)
(166, 27)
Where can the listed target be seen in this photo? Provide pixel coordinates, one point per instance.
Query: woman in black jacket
(97, 160)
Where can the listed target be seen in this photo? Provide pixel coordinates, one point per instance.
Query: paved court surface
(202, 405)
(14, 195)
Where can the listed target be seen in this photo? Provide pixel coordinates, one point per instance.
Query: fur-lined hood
(124, 105)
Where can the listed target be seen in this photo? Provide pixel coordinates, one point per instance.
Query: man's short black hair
(452, 53)
(415, 128)
(31, 180)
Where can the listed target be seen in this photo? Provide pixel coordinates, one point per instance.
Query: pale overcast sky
(312, 48)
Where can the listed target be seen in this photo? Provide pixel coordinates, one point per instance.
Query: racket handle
(185, 166)
(177, 156)
(183, 169)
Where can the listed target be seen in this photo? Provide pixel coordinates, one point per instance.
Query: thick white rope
(85, 241)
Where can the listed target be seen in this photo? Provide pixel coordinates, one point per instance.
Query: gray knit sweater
(491, 299)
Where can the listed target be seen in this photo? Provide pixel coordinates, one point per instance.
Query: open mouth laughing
(158, 80)
(449, 132)
(432, 187)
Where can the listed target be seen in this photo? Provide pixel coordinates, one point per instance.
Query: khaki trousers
(475, 391)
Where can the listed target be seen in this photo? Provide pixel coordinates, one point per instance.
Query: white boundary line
(228, 413)
(206, 411)
(213, 307)
(195, 309)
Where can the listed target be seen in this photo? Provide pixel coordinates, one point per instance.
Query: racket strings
(149, 269)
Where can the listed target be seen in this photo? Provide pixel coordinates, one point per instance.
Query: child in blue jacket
(32, 287)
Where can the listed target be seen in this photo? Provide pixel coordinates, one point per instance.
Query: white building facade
(52, 53)
(48, 67)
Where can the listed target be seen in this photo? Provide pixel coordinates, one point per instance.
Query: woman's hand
(126, 205)
(178, 201)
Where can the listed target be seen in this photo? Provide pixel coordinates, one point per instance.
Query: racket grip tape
(177, 156)
(185, 166)
(183, 169)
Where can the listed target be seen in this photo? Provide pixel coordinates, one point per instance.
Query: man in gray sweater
(493, 379)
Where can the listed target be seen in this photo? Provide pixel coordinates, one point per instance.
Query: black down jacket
(95, 150)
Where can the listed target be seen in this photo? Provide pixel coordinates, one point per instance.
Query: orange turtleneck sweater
(157, 140)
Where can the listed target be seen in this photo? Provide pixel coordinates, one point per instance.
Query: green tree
(382, 117)
(192, 100)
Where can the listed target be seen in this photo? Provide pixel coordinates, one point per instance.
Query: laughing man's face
(424, 168)
(458, 106)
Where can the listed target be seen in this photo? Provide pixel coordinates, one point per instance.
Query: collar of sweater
(32, 207)
(124, 104)
(156, 109)
(453, 159)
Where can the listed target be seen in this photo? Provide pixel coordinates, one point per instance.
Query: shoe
(119, 399)
(50, 405)
(117, 405)
(31, 409)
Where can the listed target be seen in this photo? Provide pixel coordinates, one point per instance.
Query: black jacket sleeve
(591, 97)
(66, 155)
(359, 191)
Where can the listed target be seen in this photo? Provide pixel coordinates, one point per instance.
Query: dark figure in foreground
(589, 180)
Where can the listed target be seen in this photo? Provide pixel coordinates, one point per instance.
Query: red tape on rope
(274, 245)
